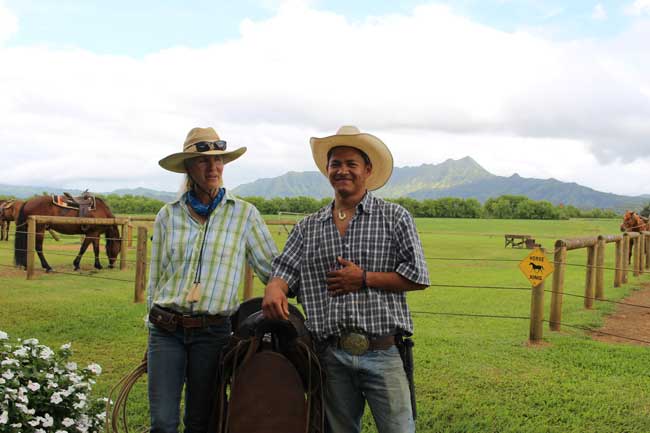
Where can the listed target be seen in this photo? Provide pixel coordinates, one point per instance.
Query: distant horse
(43, 206)
(8, 213)
(3, 223)
(633, 222)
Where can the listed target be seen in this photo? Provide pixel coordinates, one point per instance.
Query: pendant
(342, 215)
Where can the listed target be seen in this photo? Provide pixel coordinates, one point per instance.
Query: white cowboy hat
(350, 136)
(200, 141)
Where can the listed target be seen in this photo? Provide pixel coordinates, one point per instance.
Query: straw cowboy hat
(200, 141)
(350, 136)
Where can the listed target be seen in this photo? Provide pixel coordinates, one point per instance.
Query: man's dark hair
(361, 152)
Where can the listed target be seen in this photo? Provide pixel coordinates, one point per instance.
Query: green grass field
(473, 374)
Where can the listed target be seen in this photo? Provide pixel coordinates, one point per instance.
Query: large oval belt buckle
(355, 343)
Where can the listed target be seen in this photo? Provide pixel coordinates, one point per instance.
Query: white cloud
(71, 116)
(599, 13)
(638, 8)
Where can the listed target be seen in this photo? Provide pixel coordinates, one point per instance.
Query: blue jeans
(187, 357)
(376, 376)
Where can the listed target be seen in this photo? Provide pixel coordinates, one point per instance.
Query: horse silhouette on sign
(44, 205)
(536, 268)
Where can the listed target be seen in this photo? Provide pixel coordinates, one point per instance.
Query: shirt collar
(227, 197)
(367, 205)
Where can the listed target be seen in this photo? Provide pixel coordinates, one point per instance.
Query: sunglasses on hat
(204, 146)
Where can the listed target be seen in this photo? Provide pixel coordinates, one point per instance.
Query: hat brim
(379, 154)
(176, 161)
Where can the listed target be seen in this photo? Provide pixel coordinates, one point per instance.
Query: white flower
(31, 341)
(46, 353)
(10, 361)
(4, 335)
(66, 346)
(51, 384)
(81, 396)
(4, 416)
(96, 369)
(17, 425)
(8, 374)
(22, 352)
(61, 431)
(67, 422)
(2, 381)
(56, 398)
(39, 430)
(79, 405)
(71, 366)
(49, 376)
(34, 422)
(47, 421)
(33, 386)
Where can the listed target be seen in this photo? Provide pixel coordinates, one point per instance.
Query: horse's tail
(20, 242)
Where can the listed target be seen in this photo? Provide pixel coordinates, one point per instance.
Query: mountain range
(462, 178)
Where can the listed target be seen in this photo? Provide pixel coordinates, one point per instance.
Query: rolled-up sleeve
(411, 263)
(260, 247)
(287, 265)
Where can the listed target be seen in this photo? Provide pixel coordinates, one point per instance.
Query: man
(350, 265)
(200, 242)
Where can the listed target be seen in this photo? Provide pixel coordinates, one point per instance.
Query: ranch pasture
(474, 372)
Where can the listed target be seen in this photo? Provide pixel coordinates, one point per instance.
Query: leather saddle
(270, 379)
(83, 203)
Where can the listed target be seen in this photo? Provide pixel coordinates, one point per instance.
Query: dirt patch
(629, 321)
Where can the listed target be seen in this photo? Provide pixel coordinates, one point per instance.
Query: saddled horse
(633, 222)
(8, 213)
(44, 205)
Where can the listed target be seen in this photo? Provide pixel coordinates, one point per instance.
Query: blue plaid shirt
(381, 237)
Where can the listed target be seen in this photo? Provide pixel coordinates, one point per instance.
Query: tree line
(503, 207)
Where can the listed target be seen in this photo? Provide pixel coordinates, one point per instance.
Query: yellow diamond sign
(536, 267)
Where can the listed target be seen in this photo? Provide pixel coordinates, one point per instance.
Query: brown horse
(43, 206)
(633, 222)
(8, 213)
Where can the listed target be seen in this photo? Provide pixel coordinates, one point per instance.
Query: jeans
(376, 376)
(187, 357)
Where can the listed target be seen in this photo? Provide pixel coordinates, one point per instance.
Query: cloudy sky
(94, 93)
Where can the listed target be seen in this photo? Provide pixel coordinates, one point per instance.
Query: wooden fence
(32, 220)
(594, 275)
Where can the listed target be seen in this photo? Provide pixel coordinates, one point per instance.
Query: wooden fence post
(641, 252)
(248, 282)
(626, 255)
(618, 263)
(31, 246)
(636, 256)
(130, 235)
(123, 247)
(536, 314)
(590, 277)
(600, 265)
(559, 261)
(647, 249)
(141, 265)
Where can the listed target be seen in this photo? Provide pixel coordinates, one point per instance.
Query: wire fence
(437, 285)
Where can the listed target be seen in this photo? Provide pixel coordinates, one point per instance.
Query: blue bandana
(200, 208)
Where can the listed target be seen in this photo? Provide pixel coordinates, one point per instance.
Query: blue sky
(542, 88)
(138, 28)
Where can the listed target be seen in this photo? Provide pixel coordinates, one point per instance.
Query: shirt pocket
(378, 260)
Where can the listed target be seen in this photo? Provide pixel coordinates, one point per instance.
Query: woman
(200, 242)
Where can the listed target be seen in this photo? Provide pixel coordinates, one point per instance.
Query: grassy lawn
(473, 374)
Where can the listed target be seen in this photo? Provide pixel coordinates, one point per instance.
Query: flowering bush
(41, 391)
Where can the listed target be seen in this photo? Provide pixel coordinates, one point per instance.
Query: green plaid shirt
(236, 232)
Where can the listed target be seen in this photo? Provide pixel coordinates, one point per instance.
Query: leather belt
(357, 343)
(169, 320)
